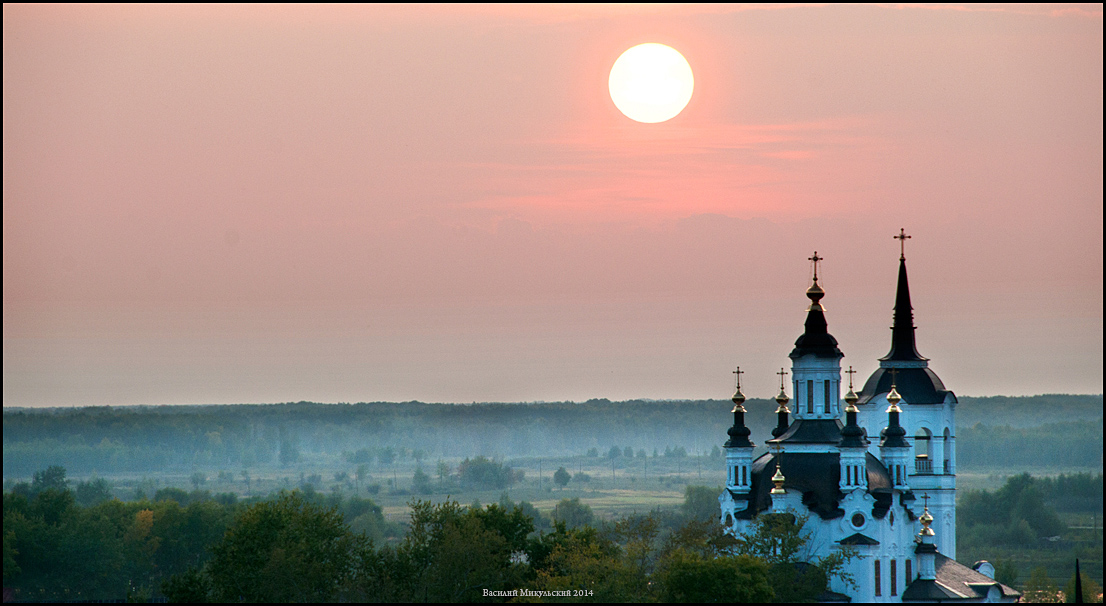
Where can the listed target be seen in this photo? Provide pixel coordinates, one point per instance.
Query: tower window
(742, 476)
(735, 474)
(876, 583)
(894, 579)
(909, 577)
(810, 396)
(827, 384)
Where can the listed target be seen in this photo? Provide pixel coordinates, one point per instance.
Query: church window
(810, 397)
(894, 579)
(735, 474)
(827, 385)
(876, 583)
(909, 577)
(858, 519)
(742, 476)
(849, 475)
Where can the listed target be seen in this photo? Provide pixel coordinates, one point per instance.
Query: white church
(882, 482)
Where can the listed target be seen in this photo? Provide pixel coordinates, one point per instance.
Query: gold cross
(739, 372)
(902, 238)
(816, 259)
(894, 373)
(782, 373)
(850, 372)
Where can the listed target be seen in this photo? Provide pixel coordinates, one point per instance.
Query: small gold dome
(926, 520)
(851, 398)
(894, 397)
(782, 398)
(778, 480)
(738, 397)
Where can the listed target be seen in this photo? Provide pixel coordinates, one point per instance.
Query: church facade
(883, 482)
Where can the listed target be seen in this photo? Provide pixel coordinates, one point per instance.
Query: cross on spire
(850, 372)
(816, 259)
(894, 372)
(902, 238)
(925, 497)
(739, 372)
(782, 373)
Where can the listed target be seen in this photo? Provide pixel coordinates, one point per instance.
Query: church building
(883, 482)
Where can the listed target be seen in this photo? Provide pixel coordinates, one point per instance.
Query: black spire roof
(739, 434)
(852, 435)
(893, 436)
(816, 339)
(902, 333)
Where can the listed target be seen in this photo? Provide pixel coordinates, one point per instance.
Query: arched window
(923, 451)
(947, 450)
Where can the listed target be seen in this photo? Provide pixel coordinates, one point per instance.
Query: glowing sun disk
(651, 83)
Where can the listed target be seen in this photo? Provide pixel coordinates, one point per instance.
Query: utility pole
(539, 475)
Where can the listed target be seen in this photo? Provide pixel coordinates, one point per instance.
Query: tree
(51, 478)
(1040, 588)
(421, 481)
(1092, 592)
(361, 473)
(614, 452)
(93, 492)
(701, 502)
(285, 550)
(690, 577)
(780, 540)
(561, 477)
(197, 479)
(573, 513)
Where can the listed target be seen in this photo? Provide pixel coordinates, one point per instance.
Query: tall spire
(902, 332)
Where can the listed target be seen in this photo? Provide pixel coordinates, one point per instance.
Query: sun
(651, 83)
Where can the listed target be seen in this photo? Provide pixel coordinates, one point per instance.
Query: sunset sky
(331, 203)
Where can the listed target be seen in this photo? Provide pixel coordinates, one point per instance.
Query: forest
(306, 546)
(142, 502)
(163, 439)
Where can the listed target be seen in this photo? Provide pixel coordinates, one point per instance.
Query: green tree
(93, 492)
(198, 478)
(780, 540)
(421, 481)
(573, 513)
(285, 550)
(1040, 588)
(701, 502)
(690, 577)
(51, 478)
(1092, 592)
(561, 477)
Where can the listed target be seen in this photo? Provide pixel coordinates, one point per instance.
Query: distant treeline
(183, 438)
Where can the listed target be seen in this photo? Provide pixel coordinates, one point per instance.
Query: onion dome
(816, 339)
(778, 480)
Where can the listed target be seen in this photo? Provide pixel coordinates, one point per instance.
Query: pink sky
(242, 204)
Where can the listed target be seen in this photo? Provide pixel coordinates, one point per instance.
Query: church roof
(817, 477)
(811, 431)
(915, 385)
(955, 581)
(816, 339)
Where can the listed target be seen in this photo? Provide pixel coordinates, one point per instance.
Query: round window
(858, 519)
